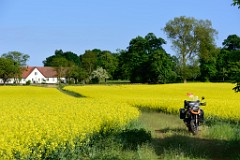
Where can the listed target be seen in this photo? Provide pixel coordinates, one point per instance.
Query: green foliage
(231, 131)
(208, 63)
(108, 61)
(232, 42)
(123, 70)
(76, 74)
(28, 82)
(229, 60)
(161, 67)
(146, 60)
(89, 61)
(14, 68)
(8, 69)
(98, 75)
(69, 56)
(237, 87)
(236, 3)
(20, 58)
(60, 64)
(190, 38)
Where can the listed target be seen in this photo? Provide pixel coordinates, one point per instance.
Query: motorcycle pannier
(182, 113)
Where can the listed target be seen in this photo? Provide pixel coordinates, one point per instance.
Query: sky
(39, 27)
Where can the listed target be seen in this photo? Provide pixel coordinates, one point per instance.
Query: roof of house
(47, 72)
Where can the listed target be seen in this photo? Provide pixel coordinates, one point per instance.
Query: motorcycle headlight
(195, 108)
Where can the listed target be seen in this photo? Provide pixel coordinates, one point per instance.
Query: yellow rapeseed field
(222, 101)
(34, 120)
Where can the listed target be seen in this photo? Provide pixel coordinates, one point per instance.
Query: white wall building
(46, 75)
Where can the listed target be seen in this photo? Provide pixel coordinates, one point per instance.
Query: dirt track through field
(171, 139)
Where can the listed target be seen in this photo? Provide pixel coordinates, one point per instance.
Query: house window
(35, 73)
(47, 79)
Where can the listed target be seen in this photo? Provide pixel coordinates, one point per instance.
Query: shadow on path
(194, 146)
(70, 93)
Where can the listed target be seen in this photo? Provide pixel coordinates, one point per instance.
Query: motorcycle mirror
(203, 97)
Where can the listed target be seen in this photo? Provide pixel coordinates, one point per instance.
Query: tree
(8, 69)
(89, 61)
(18, 57)
(61, 65)
(144, 60)
(236, 3)
(208, 62)
(160, 67)
(70, 56)
(108, 61)
(98, 75)
(76, 73)
(222, 65)
(122, 71)
(187, 34)
(232, 43)
(136, 59)
(230, 56)
(20, 61)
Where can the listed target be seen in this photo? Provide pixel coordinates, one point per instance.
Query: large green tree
(18, 57)
(146, 60)
(108, 61)
(136, 59)
(8, 69)
(123, 69)
(229, 58)
(61, 65)
(208, 62)
(20, 61)
(76, 74)
(188, 36)
(161, 67)
(70, 56)
(89, 61)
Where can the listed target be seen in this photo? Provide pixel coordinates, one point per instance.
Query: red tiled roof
(27, 71)
(47, 72)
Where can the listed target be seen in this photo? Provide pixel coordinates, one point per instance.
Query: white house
(46, 75)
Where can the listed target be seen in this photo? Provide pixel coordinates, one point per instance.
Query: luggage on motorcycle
(182, 113)
(185, 104)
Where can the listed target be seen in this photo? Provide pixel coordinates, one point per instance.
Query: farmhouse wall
(37, 76)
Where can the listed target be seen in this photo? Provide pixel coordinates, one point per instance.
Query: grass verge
(171, 139)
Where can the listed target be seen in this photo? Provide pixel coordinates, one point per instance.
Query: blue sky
(39, 27)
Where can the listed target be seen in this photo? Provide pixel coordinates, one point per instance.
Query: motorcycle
(192, 114)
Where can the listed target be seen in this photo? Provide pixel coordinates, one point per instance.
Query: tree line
(145, 60)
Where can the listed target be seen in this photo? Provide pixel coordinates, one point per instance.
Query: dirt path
(171, 140)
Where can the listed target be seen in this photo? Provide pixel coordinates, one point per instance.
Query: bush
(95, 81)
(28, 82)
